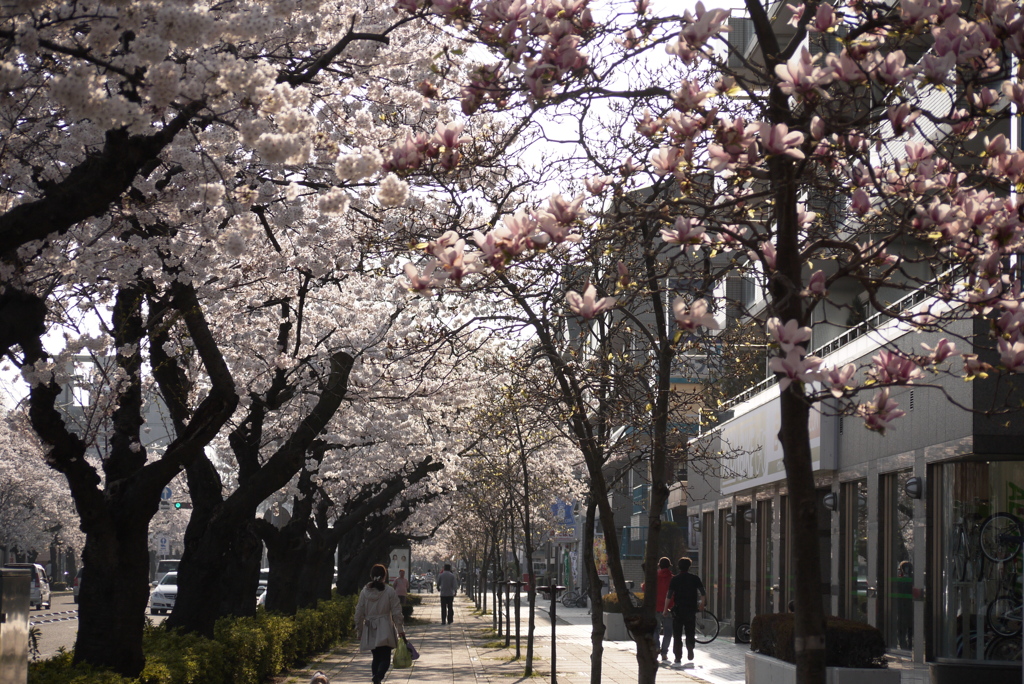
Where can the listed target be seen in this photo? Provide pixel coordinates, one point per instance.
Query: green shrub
(414, 600)
(58, 586)
(847, 643)
(406, 612)
(245, 650)
(174, 657)
(59, 670)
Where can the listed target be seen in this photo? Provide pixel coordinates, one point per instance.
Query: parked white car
(39, 585)
(161, 601)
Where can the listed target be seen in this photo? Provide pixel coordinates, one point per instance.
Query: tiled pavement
(467, 652)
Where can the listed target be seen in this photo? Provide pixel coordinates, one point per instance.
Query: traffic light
(181, 504)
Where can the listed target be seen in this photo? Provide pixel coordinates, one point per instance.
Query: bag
(412, 650)
(403, 659)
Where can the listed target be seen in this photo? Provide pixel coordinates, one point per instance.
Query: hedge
(246, 650)
(847, 643)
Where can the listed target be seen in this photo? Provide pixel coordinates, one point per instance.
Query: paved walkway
(467, 652)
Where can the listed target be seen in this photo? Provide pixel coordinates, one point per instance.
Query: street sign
(166, 494)
(165, 505)
(163, 545)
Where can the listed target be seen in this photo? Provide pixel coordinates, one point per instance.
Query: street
(58, 624)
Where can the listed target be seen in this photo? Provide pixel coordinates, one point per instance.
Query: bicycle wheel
(1004, 616)
(581, 602)
(1004, 649)
(707, 627)
(1000, 537)
(569, 598)
(743, 633)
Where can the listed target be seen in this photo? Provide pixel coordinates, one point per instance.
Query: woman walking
(379, 621)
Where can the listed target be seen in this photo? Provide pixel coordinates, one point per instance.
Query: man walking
(687, 591)
(447, 585)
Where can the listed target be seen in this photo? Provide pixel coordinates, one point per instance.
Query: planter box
(762, 669)
(615, 627)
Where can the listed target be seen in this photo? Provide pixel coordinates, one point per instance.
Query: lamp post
(496, 613)
(515, 584)
(553, 591)
(508, 614)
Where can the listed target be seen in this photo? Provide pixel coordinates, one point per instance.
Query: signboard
(752, 453)
(400, 559)
(564, 528)
(163, 546)
(166, 494)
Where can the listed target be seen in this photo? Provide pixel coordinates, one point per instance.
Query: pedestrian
(447, 585)
(379, 621)
(663, 605)
(687, 593)
(402, 586)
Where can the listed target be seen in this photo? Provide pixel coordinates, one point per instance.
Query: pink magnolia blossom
(588, 306)
(649, 126)
(692, 316)
(816, 285)
(766, 251)
(861, 202)
(824, 19)
(423, 284)
(777, 139)
(685, 231)
(624, 279)
(449, 135)
(795, 367)
(901, 117)
(1011, 354)
(839, 380)
(789, 335)
(801, 77)
(891, 368)
(880, 412)
(665, 160)
(943, 350)
(597, 185)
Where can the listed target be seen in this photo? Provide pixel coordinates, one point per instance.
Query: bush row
(244, 650)
(611, 601)
(847, 643)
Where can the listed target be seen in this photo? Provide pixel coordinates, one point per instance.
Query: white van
(39, 585)
(165, 566)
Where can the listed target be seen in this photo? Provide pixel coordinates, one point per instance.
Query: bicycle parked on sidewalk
(574, 599)
(707, 627)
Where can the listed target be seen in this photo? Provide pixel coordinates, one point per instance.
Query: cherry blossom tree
(852, 154)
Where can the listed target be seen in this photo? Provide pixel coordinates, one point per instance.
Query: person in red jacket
(662, 604)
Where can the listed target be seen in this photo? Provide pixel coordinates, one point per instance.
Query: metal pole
(555, 590)
(518, 585)
(508, 616)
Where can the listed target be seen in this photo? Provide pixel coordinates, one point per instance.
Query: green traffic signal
(177, 504)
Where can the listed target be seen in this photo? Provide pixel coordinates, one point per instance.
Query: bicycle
(574, 599)
(1000, 537)
(707, 626)
(965, 543)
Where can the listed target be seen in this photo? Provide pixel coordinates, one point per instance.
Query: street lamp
(553, 591)
(515, 584)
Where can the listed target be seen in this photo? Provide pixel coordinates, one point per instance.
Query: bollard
(517, 585)
(553, 590)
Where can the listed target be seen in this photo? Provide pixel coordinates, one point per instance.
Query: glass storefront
(854, 551)
(978, 507)
(897, 575)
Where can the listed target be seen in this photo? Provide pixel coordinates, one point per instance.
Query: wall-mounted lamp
(696, 525)
(750, 516)
(730, 519)
(914, 487)
(831, 501)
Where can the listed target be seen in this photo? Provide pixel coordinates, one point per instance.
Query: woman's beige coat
(378, 618)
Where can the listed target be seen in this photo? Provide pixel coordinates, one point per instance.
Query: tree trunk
(809, 627)
(115, 591)
(594, 589)
(219, 571)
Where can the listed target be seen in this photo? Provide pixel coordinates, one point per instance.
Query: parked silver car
(39, 585)
(162, 599)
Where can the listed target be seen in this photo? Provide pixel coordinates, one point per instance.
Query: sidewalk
(467, 652)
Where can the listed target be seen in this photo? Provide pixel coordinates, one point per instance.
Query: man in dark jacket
(687, 592)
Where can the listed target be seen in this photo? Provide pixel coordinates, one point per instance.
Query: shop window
(854, 550)
(897, 575)
(977, 508)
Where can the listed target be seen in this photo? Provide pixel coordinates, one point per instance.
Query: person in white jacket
(379, 621)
